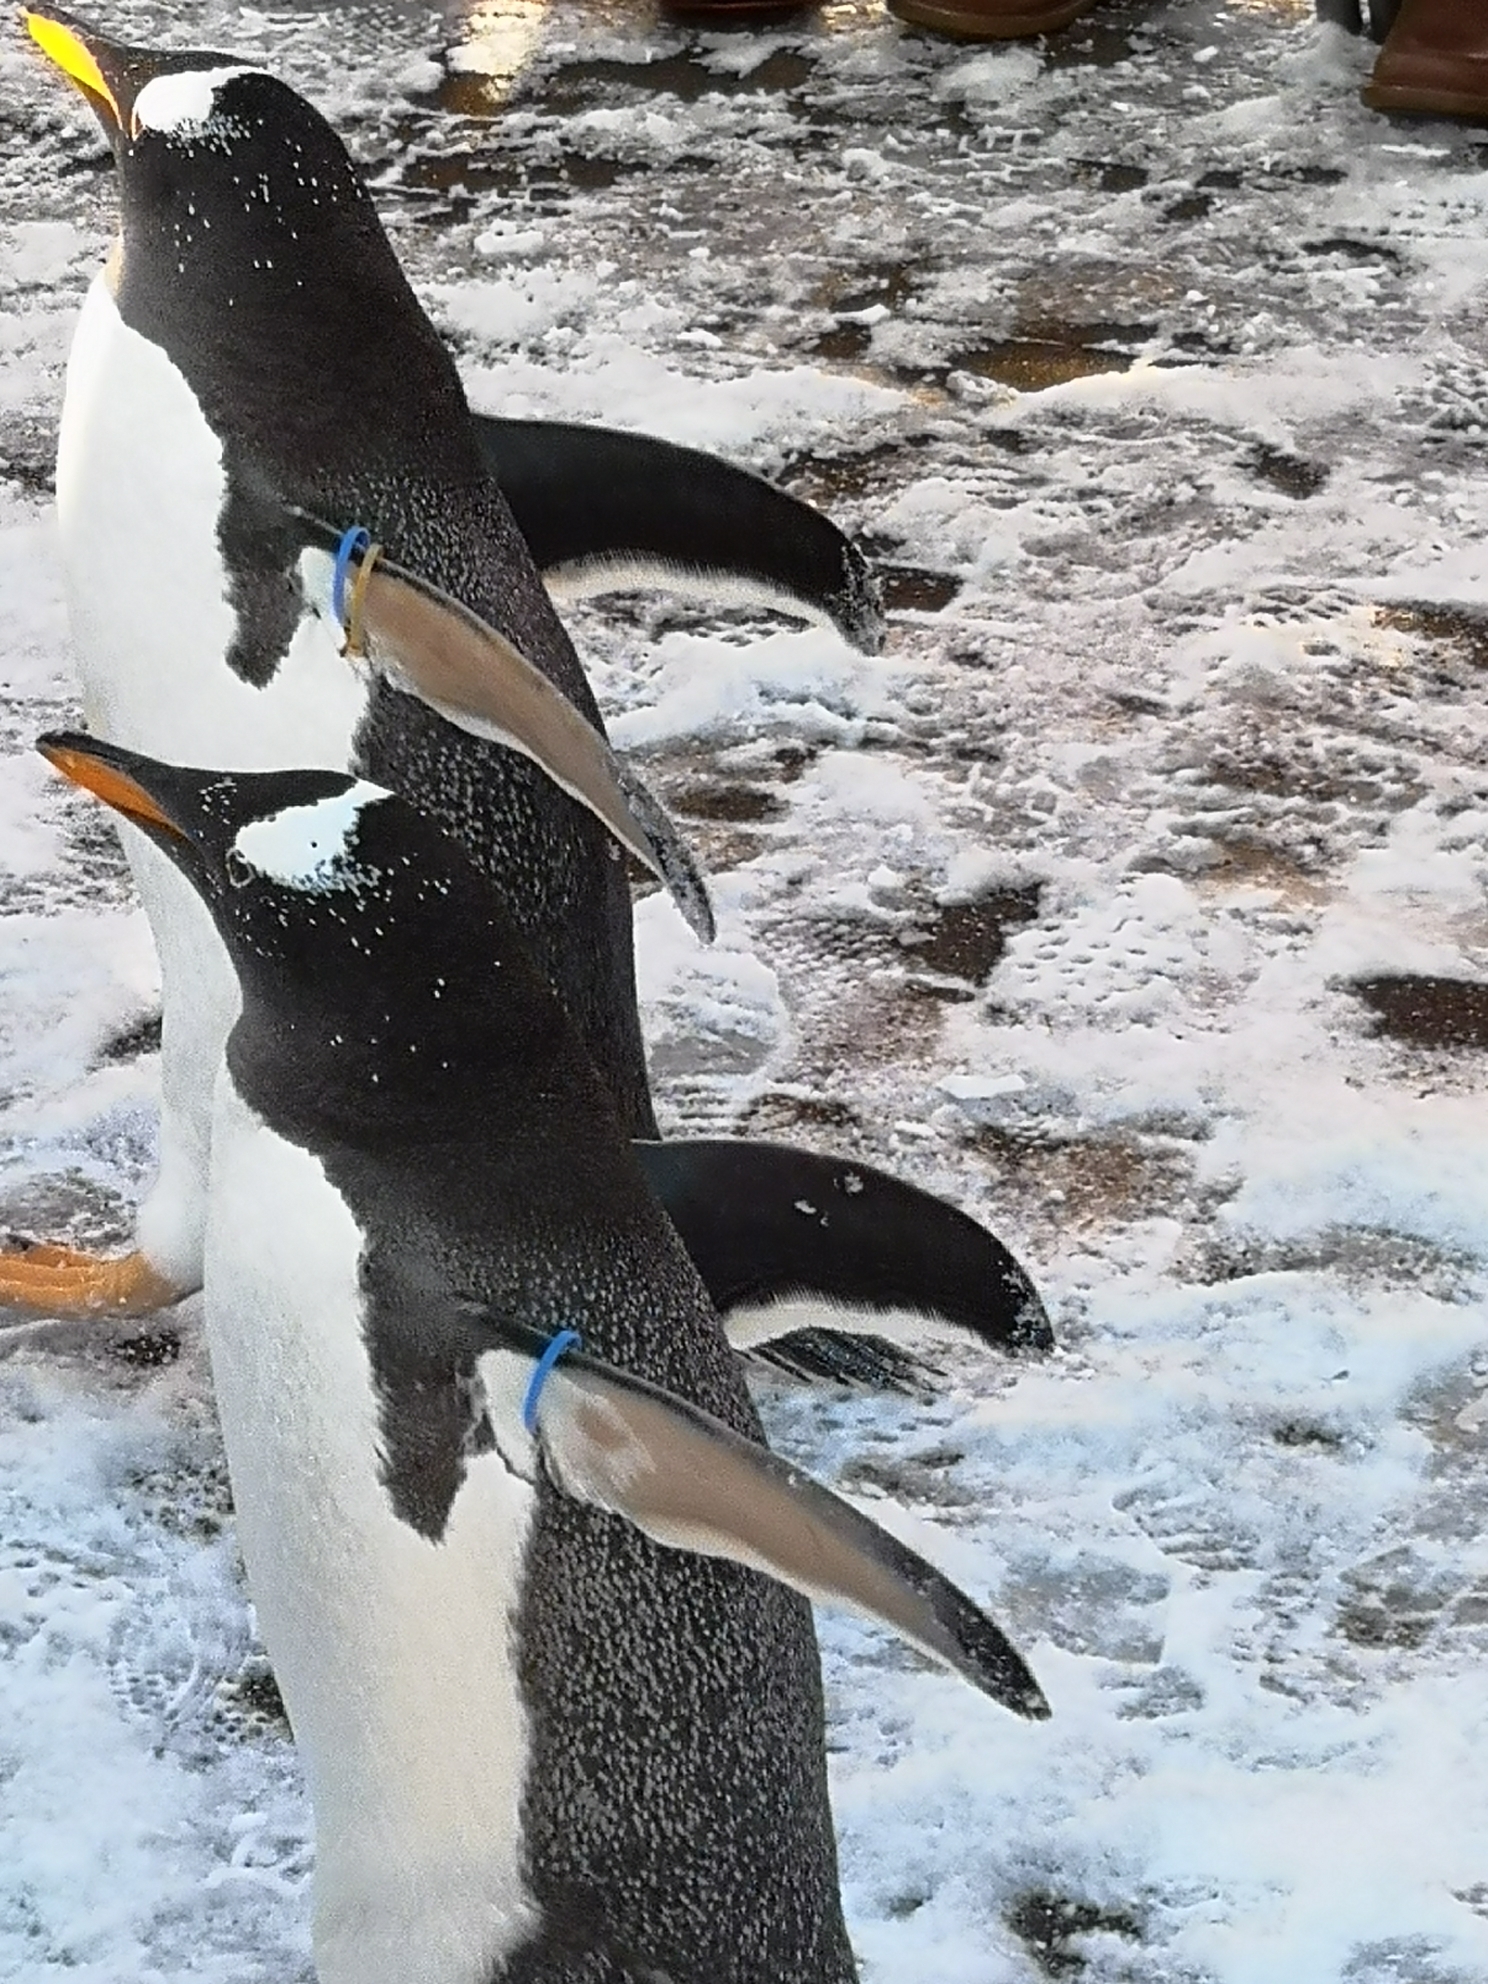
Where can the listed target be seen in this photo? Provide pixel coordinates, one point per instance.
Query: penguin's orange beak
(76, 52)
(108, 783)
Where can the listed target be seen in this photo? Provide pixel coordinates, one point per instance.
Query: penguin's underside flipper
(690, 1482)
(426, 642)
(602, 510)
(775, 1231)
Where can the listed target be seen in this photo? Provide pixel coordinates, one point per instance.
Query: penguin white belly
(393, 1654)
(140, 484)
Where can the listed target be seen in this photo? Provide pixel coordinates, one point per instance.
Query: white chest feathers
(140, 486)
(393, 1653)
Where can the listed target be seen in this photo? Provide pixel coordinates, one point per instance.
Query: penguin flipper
(602, 510)
(777, 1233)
(426, 642)
(690, 1482)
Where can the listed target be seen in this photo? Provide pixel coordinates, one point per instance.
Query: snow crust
(1060, 907)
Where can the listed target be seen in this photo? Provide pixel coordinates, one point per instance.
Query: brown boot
(1434, 59)
(990, 20)
(733, 13)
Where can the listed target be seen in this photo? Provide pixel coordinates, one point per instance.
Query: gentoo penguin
(602, 509)
(252, 381)
(539, 1748)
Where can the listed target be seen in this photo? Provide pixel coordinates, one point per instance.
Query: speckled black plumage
(676, 1817)
(260, 265)
(254, 257)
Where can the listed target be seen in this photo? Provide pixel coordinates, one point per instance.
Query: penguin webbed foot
(41, 1280)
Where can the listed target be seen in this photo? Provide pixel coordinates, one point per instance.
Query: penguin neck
(222, 278)
(313, 1079)
(413, 1066)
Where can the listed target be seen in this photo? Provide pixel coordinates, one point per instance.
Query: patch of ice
(40, 251)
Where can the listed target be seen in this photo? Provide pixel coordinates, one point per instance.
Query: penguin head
(187, 123)
(351, 919)
(113, 75)
(237, 198)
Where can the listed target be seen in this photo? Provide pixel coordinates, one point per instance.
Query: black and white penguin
(252, 375)
(603, 509)
(539, 1748)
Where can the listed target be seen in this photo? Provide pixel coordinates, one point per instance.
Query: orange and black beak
(110, 74)
(99, 68)
(134, 785)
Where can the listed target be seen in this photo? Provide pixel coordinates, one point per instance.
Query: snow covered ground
(1134, 897)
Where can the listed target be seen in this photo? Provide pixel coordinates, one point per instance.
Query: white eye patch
(183, 103)
(306, 847)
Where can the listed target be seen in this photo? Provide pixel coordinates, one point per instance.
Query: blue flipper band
(358, 538)
(553, 1350)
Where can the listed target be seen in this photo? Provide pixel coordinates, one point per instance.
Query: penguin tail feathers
(838, 1357)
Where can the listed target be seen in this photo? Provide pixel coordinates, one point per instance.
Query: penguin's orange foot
(62, 1281)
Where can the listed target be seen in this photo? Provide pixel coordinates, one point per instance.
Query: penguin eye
(240, 870)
